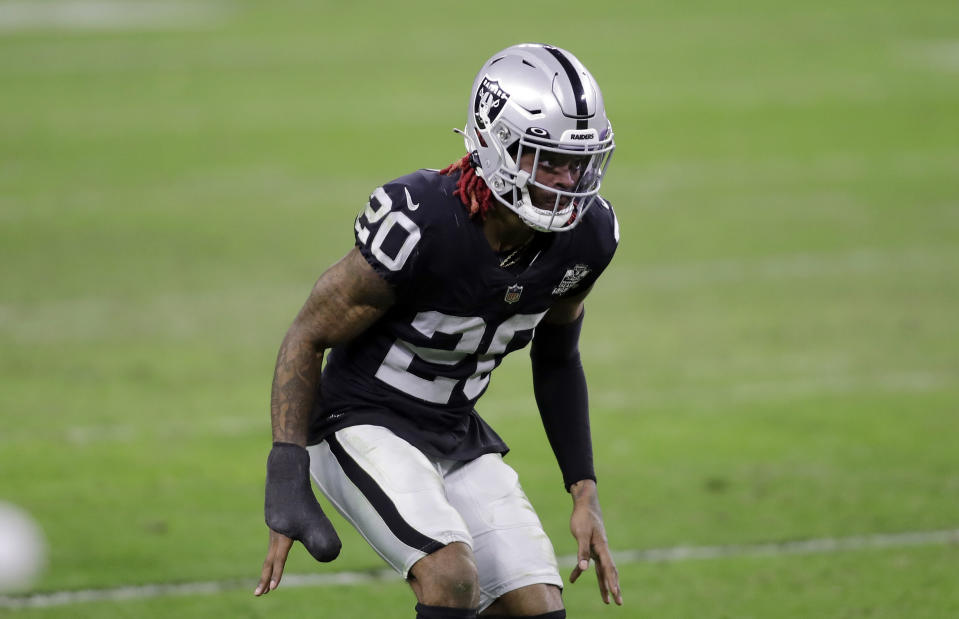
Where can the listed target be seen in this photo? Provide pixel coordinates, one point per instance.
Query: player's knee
(458, 578)
(447, 577)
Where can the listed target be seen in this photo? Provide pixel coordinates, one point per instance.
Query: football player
(451, 270)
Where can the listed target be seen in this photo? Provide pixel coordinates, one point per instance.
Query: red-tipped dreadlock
(470, 188)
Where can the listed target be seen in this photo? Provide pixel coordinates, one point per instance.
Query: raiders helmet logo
(489, 102)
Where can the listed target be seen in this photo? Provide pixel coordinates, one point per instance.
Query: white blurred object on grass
(23, 550)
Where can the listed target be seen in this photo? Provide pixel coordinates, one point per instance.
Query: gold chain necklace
(514, 256)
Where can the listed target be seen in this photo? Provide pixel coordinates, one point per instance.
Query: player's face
(554, 170)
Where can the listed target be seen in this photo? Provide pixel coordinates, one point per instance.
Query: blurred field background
(772, 356)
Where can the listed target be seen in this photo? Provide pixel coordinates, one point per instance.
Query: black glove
(291, 507)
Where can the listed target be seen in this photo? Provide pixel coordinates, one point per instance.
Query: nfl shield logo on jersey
(512, 293)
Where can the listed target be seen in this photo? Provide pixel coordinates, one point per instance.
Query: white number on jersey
(394, 370)
(378, 208)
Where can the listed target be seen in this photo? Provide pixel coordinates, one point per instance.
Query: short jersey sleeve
(597, 240)
(390, 233)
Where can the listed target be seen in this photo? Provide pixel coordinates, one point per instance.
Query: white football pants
(407, 505)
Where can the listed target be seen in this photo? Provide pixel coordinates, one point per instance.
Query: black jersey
(420, 369)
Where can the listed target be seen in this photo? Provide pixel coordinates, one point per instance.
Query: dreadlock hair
(470, 188)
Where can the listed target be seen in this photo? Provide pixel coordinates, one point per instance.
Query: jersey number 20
(394, 370)
(391, 219)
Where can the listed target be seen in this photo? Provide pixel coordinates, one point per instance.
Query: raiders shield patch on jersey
(513, 293)
(572, 277)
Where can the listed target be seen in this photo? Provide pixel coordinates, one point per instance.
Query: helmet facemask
(550, 206)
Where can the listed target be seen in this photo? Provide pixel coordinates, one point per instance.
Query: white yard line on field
(794, 547)
(106, 14)
(840, 265)
(624, 557)
(940, 54)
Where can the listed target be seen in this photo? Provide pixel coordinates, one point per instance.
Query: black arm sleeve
(559, 385)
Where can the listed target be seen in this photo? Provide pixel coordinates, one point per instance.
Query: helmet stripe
(579, 93)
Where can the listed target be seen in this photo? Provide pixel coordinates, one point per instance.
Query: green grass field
(773, 354)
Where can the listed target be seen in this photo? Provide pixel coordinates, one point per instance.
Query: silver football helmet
(533, 108)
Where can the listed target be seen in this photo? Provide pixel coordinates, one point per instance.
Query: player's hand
(587, 527)
(273, 564)
(292, 513)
